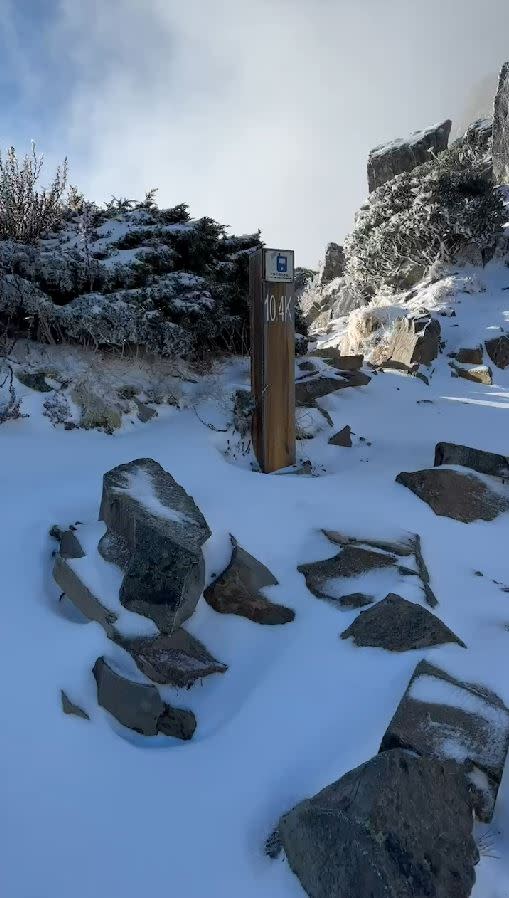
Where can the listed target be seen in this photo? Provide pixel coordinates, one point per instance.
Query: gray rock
(80, 595)
(479, 135)
(155, 532)
(308, 391)
(70, 546)
(441, 717)
(416, 341)
(34, 381)
(335, 358)
(389, 160)
(237, 591)
(342, 437)
(351, 562)
(398, 826)
(453, 495)
(501, 129)
(469, 356)
(68, 707)
(177, 659)
(355, 600)
(140, 707)
(481, 374)
(498, 350)
(145, 413)
(399, 626)
(334, 265)
(476, 459)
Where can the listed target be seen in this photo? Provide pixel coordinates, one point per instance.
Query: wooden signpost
(272, 301)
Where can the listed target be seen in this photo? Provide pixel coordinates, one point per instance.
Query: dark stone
(469, 356)
(351, 562)
(342, 438)
(498, 350)
(177, 659)
(68, 707)
(476, 459)
(334, 265)
(453, 495)
(306, 365)
(399, 626)
(237, 591)
(389, 160)
(80, 595)
(501, 129)
(398, 826)
(155, 532)
(442, 717)
(308, 391)
(70, 546)
(34, 381)
(416, 341)
(355, 600)
(145, 413)
(140, 707)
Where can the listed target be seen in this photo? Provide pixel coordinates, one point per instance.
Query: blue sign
(282, 264)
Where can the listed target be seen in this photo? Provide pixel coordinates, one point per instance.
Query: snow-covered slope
(91, 810)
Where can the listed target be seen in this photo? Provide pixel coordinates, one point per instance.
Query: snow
(414, 138)
(91, 809)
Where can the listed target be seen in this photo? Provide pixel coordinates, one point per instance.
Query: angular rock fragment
(416, 341)
(477, 459)
(498, 350)
(145, 413)
(308, 391)
(442, 717)
(481, 374)
(237, 591)
(469, 355)
(68, 707)
(398, 156)
(342, 438)
(77, 591)
(398, 826)
(453, 495)
(355, 600)
(155, 532)
(351, 562)
(140, 707)
(398, 625)
(334, 264)
(177, 659)
(342, 362)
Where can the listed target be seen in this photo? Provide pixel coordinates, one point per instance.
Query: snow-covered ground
(93, 812)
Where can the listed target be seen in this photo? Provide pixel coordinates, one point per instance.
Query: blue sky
(258, 114)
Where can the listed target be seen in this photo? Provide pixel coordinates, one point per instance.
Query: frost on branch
(28, 210)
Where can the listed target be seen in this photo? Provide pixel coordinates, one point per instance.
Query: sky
(259, 114)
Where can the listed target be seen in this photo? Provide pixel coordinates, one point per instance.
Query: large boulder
(398, 826)
(155, 533)
(176, 659)
(454, 495)
(391, 159)
(442, 717)
(477, 459)
(501, 129)
(415, 341)
(398, 625)
(334, 264)
(140, 707)
(498, 350)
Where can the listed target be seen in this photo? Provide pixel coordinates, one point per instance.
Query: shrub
(26, 210)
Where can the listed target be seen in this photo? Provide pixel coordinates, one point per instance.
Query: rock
(399, 626)
(415, 341)
(453, 495)
(351, 562)
(140, 707)
(177, 659)
(96, 412)
(237, 591)
(389, 160)
(441, 717)
(478, 135)
(155, 532)
(355, 600)
(342, 437)
(34, 381)
(498, 350)
(244, 406)
(477, 459)
(80, 595)
(470, 356)
(307, 366)
(343, 362)
(481, 374)
(68, 707)
(308, 391)
(398, 826)
(70, 546)
(145, 413)
(501, 129)
(334, 265)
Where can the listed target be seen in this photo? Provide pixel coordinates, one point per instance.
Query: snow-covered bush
(26, 209)
(432, 212)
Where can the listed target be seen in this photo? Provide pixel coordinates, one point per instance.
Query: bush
(26, 211)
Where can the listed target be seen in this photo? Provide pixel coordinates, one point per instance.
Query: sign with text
(272, 301)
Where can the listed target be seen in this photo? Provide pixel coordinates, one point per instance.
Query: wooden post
(272, 301)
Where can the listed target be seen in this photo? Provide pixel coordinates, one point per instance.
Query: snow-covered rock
(501, 129)
(391, 159)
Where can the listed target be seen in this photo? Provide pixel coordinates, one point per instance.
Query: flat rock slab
(498, 350)
(177, 659)
(480, 374)
(77, 591)
(237, 591)
(155, 533)
(477, 459)
(453, 495)
(308, 391)
(343, 362)
(351, 562)
(342, 438)
(398, 625)
(398, 826)
(355, 600)
(68, 707)
(140, 707)
(442, 717)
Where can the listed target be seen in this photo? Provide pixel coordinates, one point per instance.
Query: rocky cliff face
(501, 129)
(389, 160)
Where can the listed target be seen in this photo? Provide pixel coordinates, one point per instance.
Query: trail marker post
(272, 303)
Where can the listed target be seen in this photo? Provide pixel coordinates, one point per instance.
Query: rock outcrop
(334, 264)
(402, 155)
(498, 350)
(501, 129)
(415, 341)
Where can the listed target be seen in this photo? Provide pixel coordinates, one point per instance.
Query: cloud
(258, 114)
